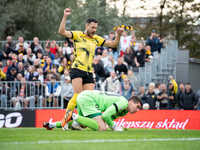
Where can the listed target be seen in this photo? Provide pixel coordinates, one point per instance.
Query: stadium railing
(35, 95)
(159, 69)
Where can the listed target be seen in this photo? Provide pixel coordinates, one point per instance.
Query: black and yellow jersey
(84, 50)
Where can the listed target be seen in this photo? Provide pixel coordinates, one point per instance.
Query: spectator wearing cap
(163, 98)
(21, 50)
(181, 90)
(49, 53)
(99, 50)
(188, 98)
(67, 90)
(21, 40)
(151, 96)
(6, 47)
(52, 92)
(173, 88)
(154, 42)
(13, 64)
(12, 77)
(29, 57)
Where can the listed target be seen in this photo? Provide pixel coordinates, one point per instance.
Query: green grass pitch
(130, 139)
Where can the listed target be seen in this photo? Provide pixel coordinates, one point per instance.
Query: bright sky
(152, 7)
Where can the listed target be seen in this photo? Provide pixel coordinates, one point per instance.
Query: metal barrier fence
(60, 43)
(31, 95)
(37, 95)
(159, 69)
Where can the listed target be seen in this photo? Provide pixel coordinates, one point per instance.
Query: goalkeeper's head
(134, 104)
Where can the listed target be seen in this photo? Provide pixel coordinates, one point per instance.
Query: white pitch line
(98, 141)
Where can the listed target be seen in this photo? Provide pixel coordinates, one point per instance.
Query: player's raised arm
(114, 43)
(62, 29)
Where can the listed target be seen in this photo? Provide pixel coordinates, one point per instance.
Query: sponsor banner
(48, 115)
(157, 119)
(11, 119)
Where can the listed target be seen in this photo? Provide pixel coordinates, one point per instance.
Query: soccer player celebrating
(84, 49)
(91, 104)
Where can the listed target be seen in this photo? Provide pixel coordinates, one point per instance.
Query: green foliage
(41, 18)
(181, 24)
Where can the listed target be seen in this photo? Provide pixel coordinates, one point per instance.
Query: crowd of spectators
(41, 73)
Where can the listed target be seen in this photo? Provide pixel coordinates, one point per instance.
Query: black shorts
(86, 76)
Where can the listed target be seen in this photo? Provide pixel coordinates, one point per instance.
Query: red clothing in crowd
(53, 50)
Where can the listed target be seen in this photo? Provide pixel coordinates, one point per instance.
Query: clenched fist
(120, 31)
(67, 12)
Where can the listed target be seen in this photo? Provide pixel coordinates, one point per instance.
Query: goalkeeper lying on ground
(91, 104)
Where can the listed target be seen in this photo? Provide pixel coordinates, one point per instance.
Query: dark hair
(66, 42)
(188, 83)
(136, 99)
(88, 21)
(181, 83)
(48, 47)
(157, 85)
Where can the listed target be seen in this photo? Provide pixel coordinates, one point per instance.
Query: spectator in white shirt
(21, 40)
(111, 84)
(29, 57)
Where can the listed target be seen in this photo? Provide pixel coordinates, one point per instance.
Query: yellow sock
(72, 103)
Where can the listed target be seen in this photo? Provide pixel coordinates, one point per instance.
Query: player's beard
(91, 34)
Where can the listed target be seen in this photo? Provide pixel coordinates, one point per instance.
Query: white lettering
(1, 121)
(8, 123)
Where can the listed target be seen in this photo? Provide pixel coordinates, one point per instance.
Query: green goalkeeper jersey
(111, 104)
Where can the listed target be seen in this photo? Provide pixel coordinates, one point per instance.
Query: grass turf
(37, 138)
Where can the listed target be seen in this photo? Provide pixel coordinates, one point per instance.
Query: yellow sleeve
(75, 34)
(3, 75)
(175, 86)
(60, 69)
(100, 40)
